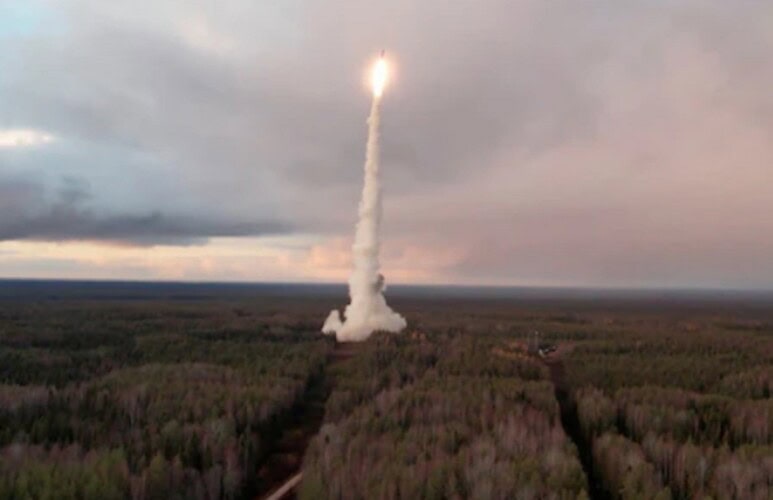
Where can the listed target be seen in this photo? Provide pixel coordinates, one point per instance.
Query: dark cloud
(26, 214)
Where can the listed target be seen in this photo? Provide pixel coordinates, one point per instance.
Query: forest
(169, 399)
(194, 394)
(668, 402)
(441, 419)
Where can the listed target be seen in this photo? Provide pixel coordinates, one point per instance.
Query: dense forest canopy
(189, 396)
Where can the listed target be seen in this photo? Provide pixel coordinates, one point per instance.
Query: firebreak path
(571, 424)
(281, 473)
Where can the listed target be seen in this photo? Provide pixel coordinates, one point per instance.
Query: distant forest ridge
(88, 289)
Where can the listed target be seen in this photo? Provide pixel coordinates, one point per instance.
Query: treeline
(664, 468)
(441, 417)
(661, 441)
(175, 414)
(736, 364)
(677, 408)
(393, 361)
(678, 414)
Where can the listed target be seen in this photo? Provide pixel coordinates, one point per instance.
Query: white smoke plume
(368, 310)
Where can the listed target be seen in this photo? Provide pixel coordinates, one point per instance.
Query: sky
(613, 143)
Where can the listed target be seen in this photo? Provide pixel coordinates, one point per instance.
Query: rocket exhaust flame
(368, 311)
(379, 77)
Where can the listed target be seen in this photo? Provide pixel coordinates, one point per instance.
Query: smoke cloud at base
(368, 311)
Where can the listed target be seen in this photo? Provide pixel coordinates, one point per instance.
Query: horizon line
(608, 288)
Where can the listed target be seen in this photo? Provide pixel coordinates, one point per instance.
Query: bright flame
(379, 77)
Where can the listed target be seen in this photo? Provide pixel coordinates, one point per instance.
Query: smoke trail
(368, 310)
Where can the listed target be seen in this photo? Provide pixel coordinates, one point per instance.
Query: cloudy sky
(602, 143)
